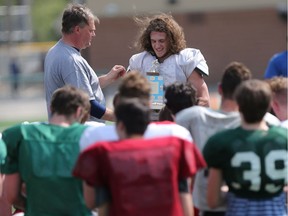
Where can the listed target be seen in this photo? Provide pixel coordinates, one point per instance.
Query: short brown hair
(76, 14)
(179, 96)
(134, 114)
(253, 98)
(67, 99)
(234, 73)
(134, 85)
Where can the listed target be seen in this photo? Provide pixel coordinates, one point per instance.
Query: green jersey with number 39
(253, 162)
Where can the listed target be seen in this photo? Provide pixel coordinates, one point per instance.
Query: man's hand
(116, 72)
(203, 102)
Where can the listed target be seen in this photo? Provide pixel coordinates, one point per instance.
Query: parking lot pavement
(30, 105)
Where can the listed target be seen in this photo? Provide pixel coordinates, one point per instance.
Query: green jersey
(253, 162)
(3, 151)
(44, 156)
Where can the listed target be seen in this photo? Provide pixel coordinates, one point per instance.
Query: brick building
(250, 31)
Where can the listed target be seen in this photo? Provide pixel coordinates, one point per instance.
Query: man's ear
(51, 111)
(121, 129)
(220, 91)
(275, 105)
(79, 114)
(120, 126)
(76, 29)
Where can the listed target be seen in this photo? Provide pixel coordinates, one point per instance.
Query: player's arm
(109, 115)
(101, 112)
(98, 197)
(89, 195)
(5, 207)
(187, 204)
(103, 210)
(186, 197)
(215, 180)
(13, 188)
(196, 79)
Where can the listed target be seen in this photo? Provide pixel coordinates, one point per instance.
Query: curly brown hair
(160, 23)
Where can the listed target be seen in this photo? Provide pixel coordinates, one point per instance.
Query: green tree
(45, 16)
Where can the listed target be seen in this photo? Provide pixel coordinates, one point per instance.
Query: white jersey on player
(155, 129)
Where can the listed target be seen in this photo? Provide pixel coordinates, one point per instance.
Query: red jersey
(142, 174)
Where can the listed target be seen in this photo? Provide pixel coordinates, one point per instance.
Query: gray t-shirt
(65, 65)
(202, 123)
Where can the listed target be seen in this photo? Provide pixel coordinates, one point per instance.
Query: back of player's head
(279, 88)
(179, 96)
(234, 74)
(134, 114)
(134, 85)
(253, 98)
(66, 100)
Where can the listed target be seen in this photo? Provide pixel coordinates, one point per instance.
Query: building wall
(251, 36)
(110, 8)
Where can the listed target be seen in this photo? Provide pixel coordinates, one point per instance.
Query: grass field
(6, 124)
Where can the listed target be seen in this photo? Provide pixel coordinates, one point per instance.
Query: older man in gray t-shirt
(64, 64)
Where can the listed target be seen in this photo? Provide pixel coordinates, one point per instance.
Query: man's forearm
(187, 204)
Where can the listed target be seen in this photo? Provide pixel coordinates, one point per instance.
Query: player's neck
(60, 120)
(228, 105)
(134, 136)
(162, 59)
(255, 126)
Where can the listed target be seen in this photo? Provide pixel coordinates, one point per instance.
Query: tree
(46, 19)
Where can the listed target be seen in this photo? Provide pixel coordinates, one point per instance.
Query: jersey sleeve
(135, 62)
(191, 160)
(97, 109)
(3, 151)
(12, 139)
(190, 58)
(271, 69)
(213, 152)
(89, 167)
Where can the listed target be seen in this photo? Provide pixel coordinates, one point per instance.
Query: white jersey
(284, 124)
(155, 129)
(176, 68)
(202, 123)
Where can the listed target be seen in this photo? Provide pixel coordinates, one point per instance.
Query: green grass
(6, 124)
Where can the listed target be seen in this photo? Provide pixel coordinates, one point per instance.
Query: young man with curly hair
(162, 39)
